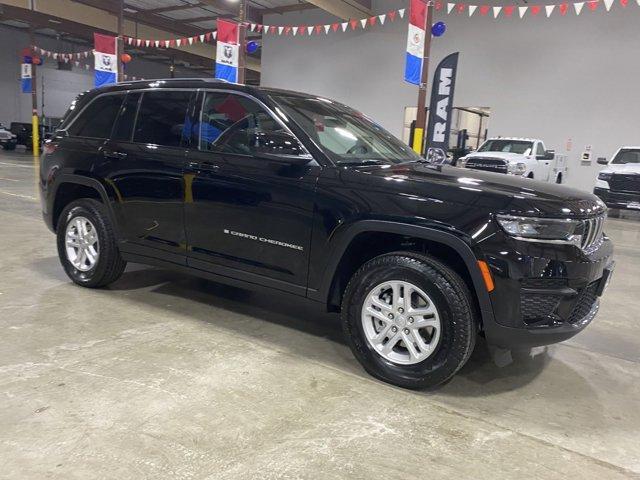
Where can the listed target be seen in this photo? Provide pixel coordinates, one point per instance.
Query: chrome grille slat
(592, 232)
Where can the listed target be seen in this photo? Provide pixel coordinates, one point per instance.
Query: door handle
(114, 155)
(203, 166)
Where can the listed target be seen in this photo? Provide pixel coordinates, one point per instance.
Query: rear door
(144, 164)
(544, 166)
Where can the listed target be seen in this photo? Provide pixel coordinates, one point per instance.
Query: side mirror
(603, 161)
(548, 155)
(280, 147)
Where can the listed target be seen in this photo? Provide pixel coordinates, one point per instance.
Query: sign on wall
(439, 126)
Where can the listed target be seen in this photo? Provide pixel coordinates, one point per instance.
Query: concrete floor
(167, 376)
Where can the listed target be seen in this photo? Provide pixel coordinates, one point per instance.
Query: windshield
(521, 147)
(627, 155)
(345, 135)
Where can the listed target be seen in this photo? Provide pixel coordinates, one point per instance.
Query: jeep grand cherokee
(263, 188)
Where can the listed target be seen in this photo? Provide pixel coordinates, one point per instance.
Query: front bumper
(544, 293)
(625, 200)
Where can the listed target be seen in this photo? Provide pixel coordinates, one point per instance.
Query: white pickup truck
(618, 185)
(526, 157)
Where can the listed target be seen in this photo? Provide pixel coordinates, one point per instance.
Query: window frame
(122, 93)
(261, 104)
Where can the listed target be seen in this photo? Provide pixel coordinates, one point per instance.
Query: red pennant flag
(302, 29)
(484, 9)
(287, 29)
(272, 29)
(335, 26)
(624, 3)
(372, 21)
(353, 23)
(318, 29)
(438, 5)
(508, 10)
(392, 15)
(535, 10)
(592, 5)
(207, 36)
(460, 7)
(564, 7)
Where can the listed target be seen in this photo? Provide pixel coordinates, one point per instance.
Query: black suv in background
(263, 188)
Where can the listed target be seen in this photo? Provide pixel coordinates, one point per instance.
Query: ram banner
(439, 125)
(227, 51)
(106, 62)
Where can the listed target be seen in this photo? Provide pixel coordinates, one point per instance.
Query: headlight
(517, 168)
(604, 176)
(544, 229)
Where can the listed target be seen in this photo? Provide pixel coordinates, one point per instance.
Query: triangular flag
(273, 29)
(372, 21)
(215, 35)
(335, 27)
(484, 9)
(363, 22)
(549, 9)
(564, 7)
(535, 10)
(157, 43)
(265, 28)
(438, 5)
(130, 41)
(624, 3)
(167, 43)
(201, 38)
(496, 11)
(191, 39)
(344, 26)
(607, 4)
(592, 5)
(253, 27)
(310, 30)
(472, 9)
(578, 6)
(138, 42)
(353, 23)
(280, 30)
(326, 28)
(461, 7)
(295, 31)
(287, 29)
(401, 12)
(147, 42)
(450, 7)
(318, 29)
(392, 14)
(178, 42)
(522, 11)
(508, 10)
(382, 18)
(207, 36)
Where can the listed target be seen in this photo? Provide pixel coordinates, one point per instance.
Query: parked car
(23, 132)
(7, 139)
(526, 157)
(618, 185)
(297, 194)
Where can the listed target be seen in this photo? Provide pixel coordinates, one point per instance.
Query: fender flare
(432, 234)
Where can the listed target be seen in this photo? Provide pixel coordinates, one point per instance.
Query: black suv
(264, 188)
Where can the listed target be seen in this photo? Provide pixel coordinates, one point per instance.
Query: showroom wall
(571, 81)
(60, 86)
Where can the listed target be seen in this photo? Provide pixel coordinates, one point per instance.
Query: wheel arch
(392, 236)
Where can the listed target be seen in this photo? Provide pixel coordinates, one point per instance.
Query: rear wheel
(87, 244)
(409, 319)
(559, 178)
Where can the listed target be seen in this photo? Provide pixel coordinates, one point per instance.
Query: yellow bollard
(35, 135)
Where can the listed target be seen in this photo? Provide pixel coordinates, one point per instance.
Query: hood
(493, 192)
(507, 156)
(622, 168)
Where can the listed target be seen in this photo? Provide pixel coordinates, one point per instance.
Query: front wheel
(409, 319)
(87, 244)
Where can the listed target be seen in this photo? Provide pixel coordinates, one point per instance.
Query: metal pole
(421, 118)
(242, 34)
(35, 128)
(120, 42)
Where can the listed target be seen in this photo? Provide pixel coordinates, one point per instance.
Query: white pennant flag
(295, 30)
(383, 17)
(522, 11)
(280, 30)
(638, 2)
(472, 9)
(450, 7)
(215, 35)
(55, 56)
(326, 28)
(138, 42)
(147, 42)
(190, 40)
(401, 12)
(202, 37)
(310, 30)
(496, 11)
(253, 27)
(178, 41)
(265, 29)
(130, 40)
(549, 10)
(167, 43)
(157, 43)
(578, 6)
(607, 4)
(344, 25)
(363, 22)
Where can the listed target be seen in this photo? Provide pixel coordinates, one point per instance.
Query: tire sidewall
(453, 344)
(81, 209)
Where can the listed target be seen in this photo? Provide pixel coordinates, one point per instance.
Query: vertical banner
(26, 75)
(415, 41)
(227, 51)
(439, 126)
(106, 62)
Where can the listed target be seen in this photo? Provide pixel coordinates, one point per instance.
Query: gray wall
(558, 79)
(60, 86)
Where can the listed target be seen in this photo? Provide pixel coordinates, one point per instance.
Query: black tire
(530, 176)
(110, 264)
(559, 179)
(455, 307)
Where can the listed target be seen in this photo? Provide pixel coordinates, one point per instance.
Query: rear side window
(126, 118)
(163, 118)
(96, 121)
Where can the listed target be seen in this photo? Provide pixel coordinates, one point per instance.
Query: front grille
(586, 298)
(625, 182)
(592, 233)
(487, 164)
(538, 307)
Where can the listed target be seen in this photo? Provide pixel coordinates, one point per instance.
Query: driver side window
(540, 149)
(235, 124)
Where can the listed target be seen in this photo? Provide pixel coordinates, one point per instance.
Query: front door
(248, 215)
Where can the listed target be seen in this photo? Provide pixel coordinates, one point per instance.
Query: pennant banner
(227, 51)
(106, 62)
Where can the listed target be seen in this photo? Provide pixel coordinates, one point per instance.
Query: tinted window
(97, 119)
(627, 156)
(162, 118)
(521, 147)
(126, 118)
(540, 149)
